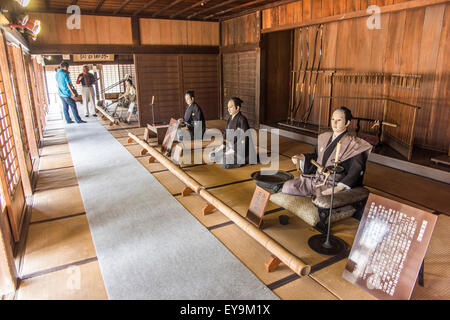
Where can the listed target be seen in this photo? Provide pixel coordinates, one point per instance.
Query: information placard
(92, 57)
(255, 212)
(389, 248)
(169, 137)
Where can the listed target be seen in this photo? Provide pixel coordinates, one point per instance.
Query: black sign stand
(327, 244)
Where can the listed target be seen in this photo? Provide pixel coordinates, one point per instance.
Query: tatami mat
(54, 203)
(55, 161)
(304, 289)
(57, 243)
(250, 252)
(437, 264)
(82, 282)
(57, 178)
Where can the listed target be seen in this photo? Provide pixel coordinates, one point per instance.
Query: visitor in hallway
(67, 92)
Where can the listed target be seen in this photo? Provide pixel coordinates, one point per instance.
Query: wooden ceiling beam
(99, 5)
(195, 5)
(264, 7)
(122, 6)
(248, 4)
(166, 7)
(146, 6)
(212, 8)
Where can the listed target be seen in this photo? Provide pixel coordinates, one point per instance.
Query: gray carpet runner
(148, 245)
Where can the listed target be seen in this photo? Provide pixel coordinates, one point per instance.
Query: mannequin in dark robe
(193, 121)
(237, 149)
(352, 157)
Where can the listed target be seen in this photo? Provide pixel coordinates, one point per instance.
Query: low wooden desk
(158, 130)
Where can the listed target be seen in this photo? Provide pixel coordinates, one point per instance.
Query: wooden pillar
(26, 102)
(135, 31)
(38, 84)
(32, 81)
(33, 99)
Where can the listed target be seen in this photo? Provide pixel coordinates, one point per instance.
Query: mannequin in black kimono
(237, 149)
(352, 157)
(193, 121)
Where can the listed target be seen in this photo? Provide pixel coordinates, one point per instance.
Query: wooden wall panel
(413, 41)
(440, 109)
(240, 80)
(167, 77)
(158, 75)
(429, 50)
(178, 32)
(241, 30)
(294, 14)
(278, 51)
(201, 74)
(93, 30)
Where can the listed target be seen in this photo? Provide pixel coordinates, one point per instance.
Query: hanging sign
(93, 57)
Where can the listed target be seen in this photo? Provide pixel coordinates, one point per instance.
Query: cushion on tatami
(304, 208)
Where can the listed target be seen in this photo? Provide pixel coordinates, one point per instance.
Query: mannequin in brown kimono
(352, 157)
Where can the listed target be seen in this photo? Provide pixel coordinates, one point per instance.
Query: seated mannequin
(237, 149)
(353, 155)
(193, 123)
(128, 100)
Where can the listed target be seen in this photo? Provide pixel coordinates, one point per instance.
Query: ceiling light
(23, 3)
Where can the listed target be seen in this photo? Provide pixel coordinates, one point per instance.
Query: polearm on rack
(311, 104)
(304, 75)
(294, 88)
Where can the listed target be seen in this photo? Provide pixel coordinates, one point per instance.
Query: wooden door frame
(15, 203)
(25, 101)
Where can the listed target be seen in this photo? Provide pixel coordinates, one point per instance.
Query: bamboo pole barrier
(105, 116)
(185, 178)
(292, 261)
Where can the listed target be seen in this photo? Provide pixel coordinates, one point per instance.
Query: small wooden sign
(92, 57)
(169, 137)
(159, 130)
(389, 248)
(255, 212)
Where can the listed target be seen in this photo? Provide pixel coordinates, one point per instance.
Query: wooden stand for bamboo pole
(107, 117)
(208, 209)
(152, 159)
(272, 264)
(144, 152)
(186, 191)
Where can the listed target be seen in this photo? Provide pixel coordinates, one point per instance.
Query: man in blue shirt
(66, 91)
